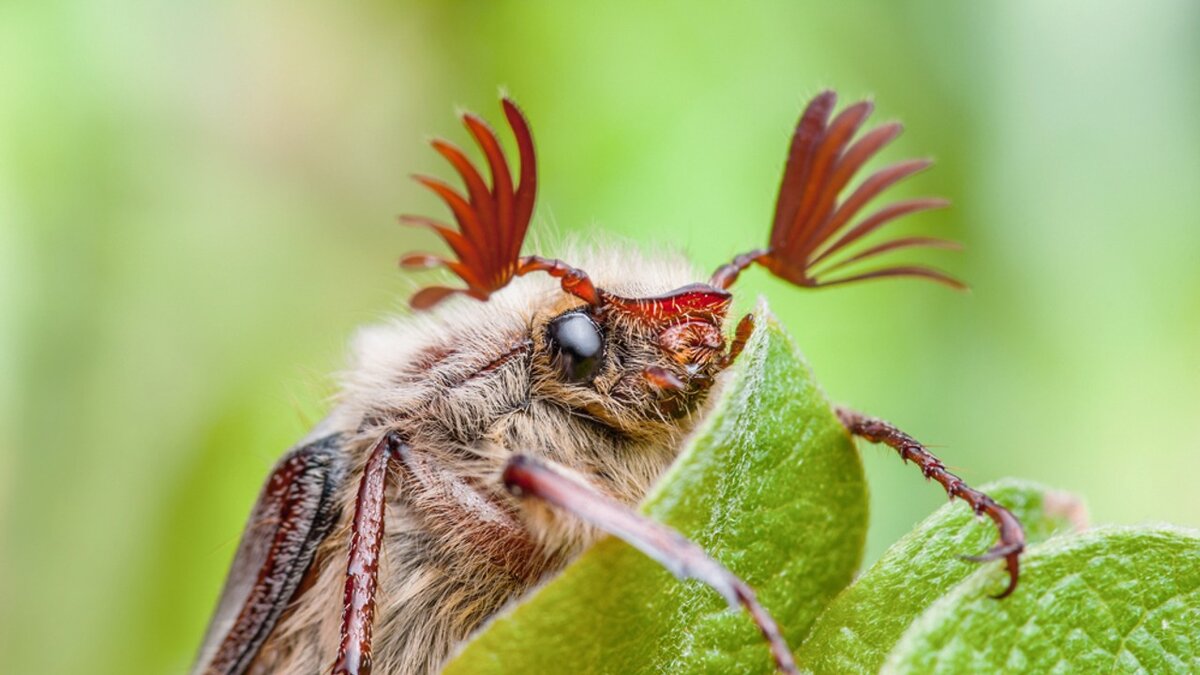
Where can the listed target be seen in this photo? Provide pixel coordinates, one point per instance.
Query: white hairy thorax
(434, 377)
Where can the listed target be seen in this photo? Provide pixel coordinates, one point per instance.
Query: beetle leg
(1012, 537)
(362, 568)
(527, 477)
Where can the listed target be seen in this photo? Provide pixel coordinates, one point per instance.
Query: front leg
(362, 569)
(452, 508)
(1012, 537)
(540, 479)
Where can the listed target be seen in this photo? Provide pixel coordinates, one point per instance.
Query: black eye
(576, 346)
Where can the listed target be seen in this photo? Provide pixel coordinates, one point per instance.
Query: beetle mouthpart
(663, 379)
(693, 344)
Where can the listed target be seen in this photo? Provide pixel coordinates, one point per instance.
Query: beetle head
(674, 341)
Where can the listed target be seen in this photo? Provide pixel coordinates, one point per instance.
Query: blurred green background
(196, 211)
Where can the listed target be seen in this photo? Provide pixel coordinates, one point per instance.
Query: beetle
(479, 445)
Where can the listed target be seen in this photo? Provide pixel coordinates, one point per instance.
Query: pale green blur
(196, 210)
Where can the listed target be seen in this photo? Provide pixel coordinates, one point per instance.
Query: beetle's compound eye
(576, 346)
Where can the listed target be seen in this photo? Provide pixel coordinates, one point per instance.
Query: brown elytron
(477, 451)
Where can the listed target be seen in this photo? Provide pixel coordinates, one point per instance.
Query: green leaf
(771, 486)
(862, 625)
(1110, 600)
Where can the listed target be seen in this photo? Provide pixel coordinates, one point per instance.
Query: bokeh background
(196, 211)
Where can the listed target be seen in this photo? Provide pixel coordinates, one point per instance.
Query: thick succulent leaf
(862, 625)
(770, 485)
(1111, 600)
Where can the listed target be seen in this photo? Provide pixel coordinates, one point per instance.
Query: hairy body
(467, 386)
